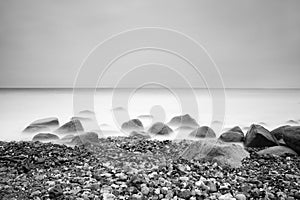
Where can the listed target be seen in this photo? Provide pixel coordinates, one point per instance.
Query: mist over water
(270, 108)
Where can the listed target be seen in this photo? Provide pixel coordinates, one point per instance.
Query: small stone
(227, 196)
(145, 190)
(240, 197)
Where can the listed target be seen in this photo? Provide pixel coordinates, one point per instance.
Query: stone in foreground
(278, 132)
(85, 138)
(225, 154)
(233, 135)
(258, 136)
(160, 128)
(45, 137)
(277, 150)
(72, 126)
(203, 132)
(291, 137)
(132, 125)
(183, 120)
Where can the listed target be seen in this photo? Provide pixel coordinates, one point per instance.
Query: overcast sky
(255, 43)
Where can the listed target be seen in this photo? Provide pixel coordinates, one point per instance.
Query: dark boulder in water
(225, 154)
(233, 135)
(278, 132)
(36, 128)
(132, 125)
(85, 138)
(160, 128)
(183, 120)
(50, 121)
(70, 127)
(258, 136)
(291, 137)
(140, 134)
(45, 137)
(277, 150)
(203, 132)
(44, 124)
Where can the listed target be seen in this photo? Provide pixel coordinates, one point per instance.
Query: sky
(253, 43)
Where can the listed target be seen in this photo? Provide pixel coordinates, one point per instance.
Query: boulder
(87, 112)
(85, 138)
(132, 125)
(160, 128)
(83, 119)
(225, 154)
(183, 120)
(203, 132)
(258, 136)
(278, 132)
(277, 150)
(233, 135)
(70, 127)
(45, 137)
(36, 128)
(68, 137)
(50, 121)
(291, 137)
(44, 124)
(140, 134)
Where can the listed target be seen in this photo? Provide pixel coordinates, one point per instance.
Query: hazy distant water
(19, 107)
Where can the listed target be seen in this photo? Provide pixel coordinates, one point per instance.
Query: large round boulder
(45, 137)
(203, 132)
(277, 150)
(160, 128)
(225, 154)
(36, 128)
(291, 137)
(258, 136)
(85, 138)
(278, 132)
(132, 125)
(183, 120)
(233, 135)
(73, 126)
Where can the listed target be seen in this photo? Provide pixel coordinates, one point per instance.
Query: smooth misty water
(271, 108)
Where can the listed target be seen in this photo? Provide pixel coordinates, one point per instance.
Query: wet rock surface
(203, 132)
(44, 137)
(127, 168)
(160, 128)
(258, 136)
(72, 126)
(291, 137)
(183, 120)
(234, 134)
(132, 125)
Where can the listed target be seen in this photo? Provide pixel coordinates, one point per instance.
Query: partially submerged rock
(83, 119)
(258, 136)
(222, 153)
(203, 132)
(291, 137)
(233, 135)
(72, 126)
(277, 150)
(45, 137)
(160, 128)
(140, 134)
(132, 125)
(183, 120)
(85, 138)
(44, 124)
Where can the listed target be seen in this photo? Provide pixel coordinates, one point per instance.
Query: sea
(220, 109)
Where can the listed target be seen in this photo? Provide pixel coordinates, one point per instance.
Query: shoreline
(135, 168)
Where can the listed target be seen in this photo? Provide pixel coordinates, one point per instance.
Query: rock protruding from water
(87, 112)
(203, 132)
(72, 126)
(45, 137)
(160, 128)
(278, 132)
(291, 137)
(258, 136)
(183, 120)
(225, 154)
(85, 138)
(82, 119)
(44, 124)
(132, 125)
(234, 134)
(140, 134)
(277, 150)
